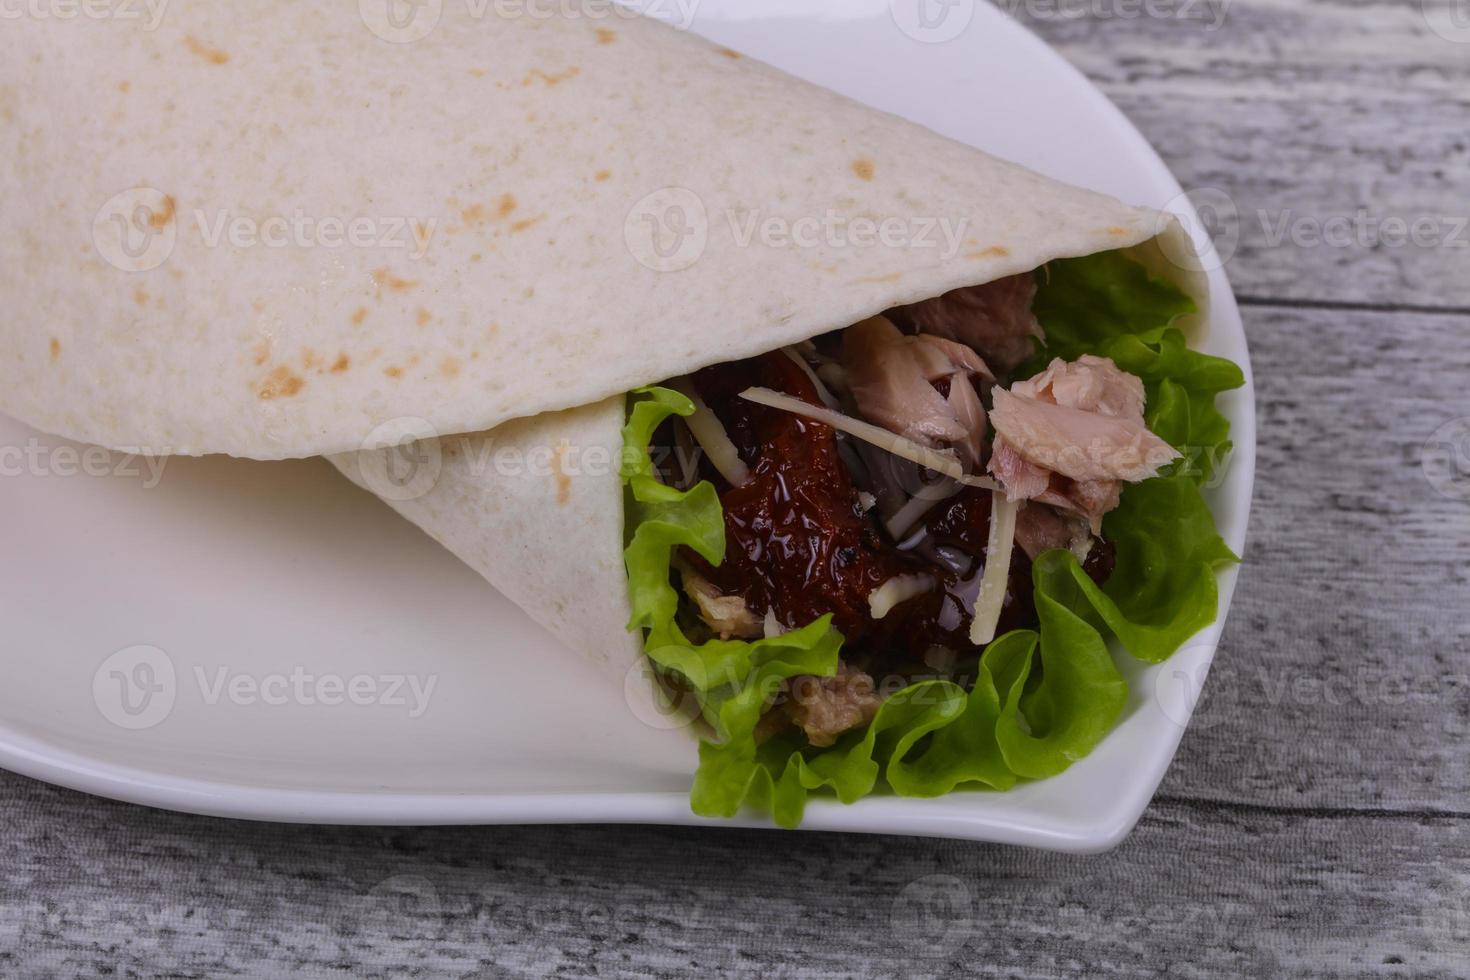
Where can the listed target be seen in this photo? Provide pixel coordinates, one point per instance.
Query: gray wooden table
(1317, 820)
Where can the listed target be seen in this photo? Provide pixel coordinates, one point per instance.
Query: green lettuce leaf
(1040, 699)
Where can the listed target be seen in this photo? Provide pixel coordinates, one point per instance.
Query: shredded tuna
(1072, 435)
(995, 319)
(825, 707)
(1040, 528)
(1093, 384)
(965, 403)
(892, 379)
(727, 615)
(889, 376)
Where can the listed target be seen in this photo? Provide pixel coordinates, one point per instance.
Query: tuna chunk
(1072, 435)
(1040, 528)
(825, 707)
(995, 319)
(727, 615)
(891, 377)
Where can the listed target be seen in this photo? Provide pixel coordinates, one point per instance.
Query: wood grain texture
(1317, 820)
(1308, 128)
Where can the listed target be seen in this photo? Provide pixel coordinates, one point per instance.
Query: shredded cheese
(900, 588)
(828, 399)
(941, 461)
(772, 626)
(908, 515)
(710, 433)
(990, 603)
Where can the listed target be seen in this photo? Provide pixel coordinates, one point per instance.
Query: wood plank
(1344, 679)
(1201, 890)
(1303, 120)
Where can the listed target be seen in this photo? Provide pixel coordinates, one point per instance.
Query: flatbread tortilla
(271, 229)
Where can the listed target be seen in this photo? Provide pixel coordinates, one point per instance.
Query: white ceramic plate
(155, 630)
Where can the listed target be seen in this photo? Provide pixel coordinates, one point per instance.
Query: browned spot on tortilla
(891, 277)
(1116, 231)
(215, 56)
(549, 80)
(449, 367)
(383, 277)
(474, 214)
(993, 252)
(310, 358)
(424, 317)
(140, 296)
(262, 352)
(341, 364)
(477, 257)
(732, 55)
(393, 371)
(55, 349)
(359, 316)
(280, 383)
(864, 168)
(506, 206)
(125, 86)
(602, 175)
(478, 72)
(524, 224)
(563, 479)
(159, 219)
(605, 36)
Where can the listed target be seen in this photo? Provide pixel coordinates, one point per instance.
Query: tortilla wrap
(268, 229)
